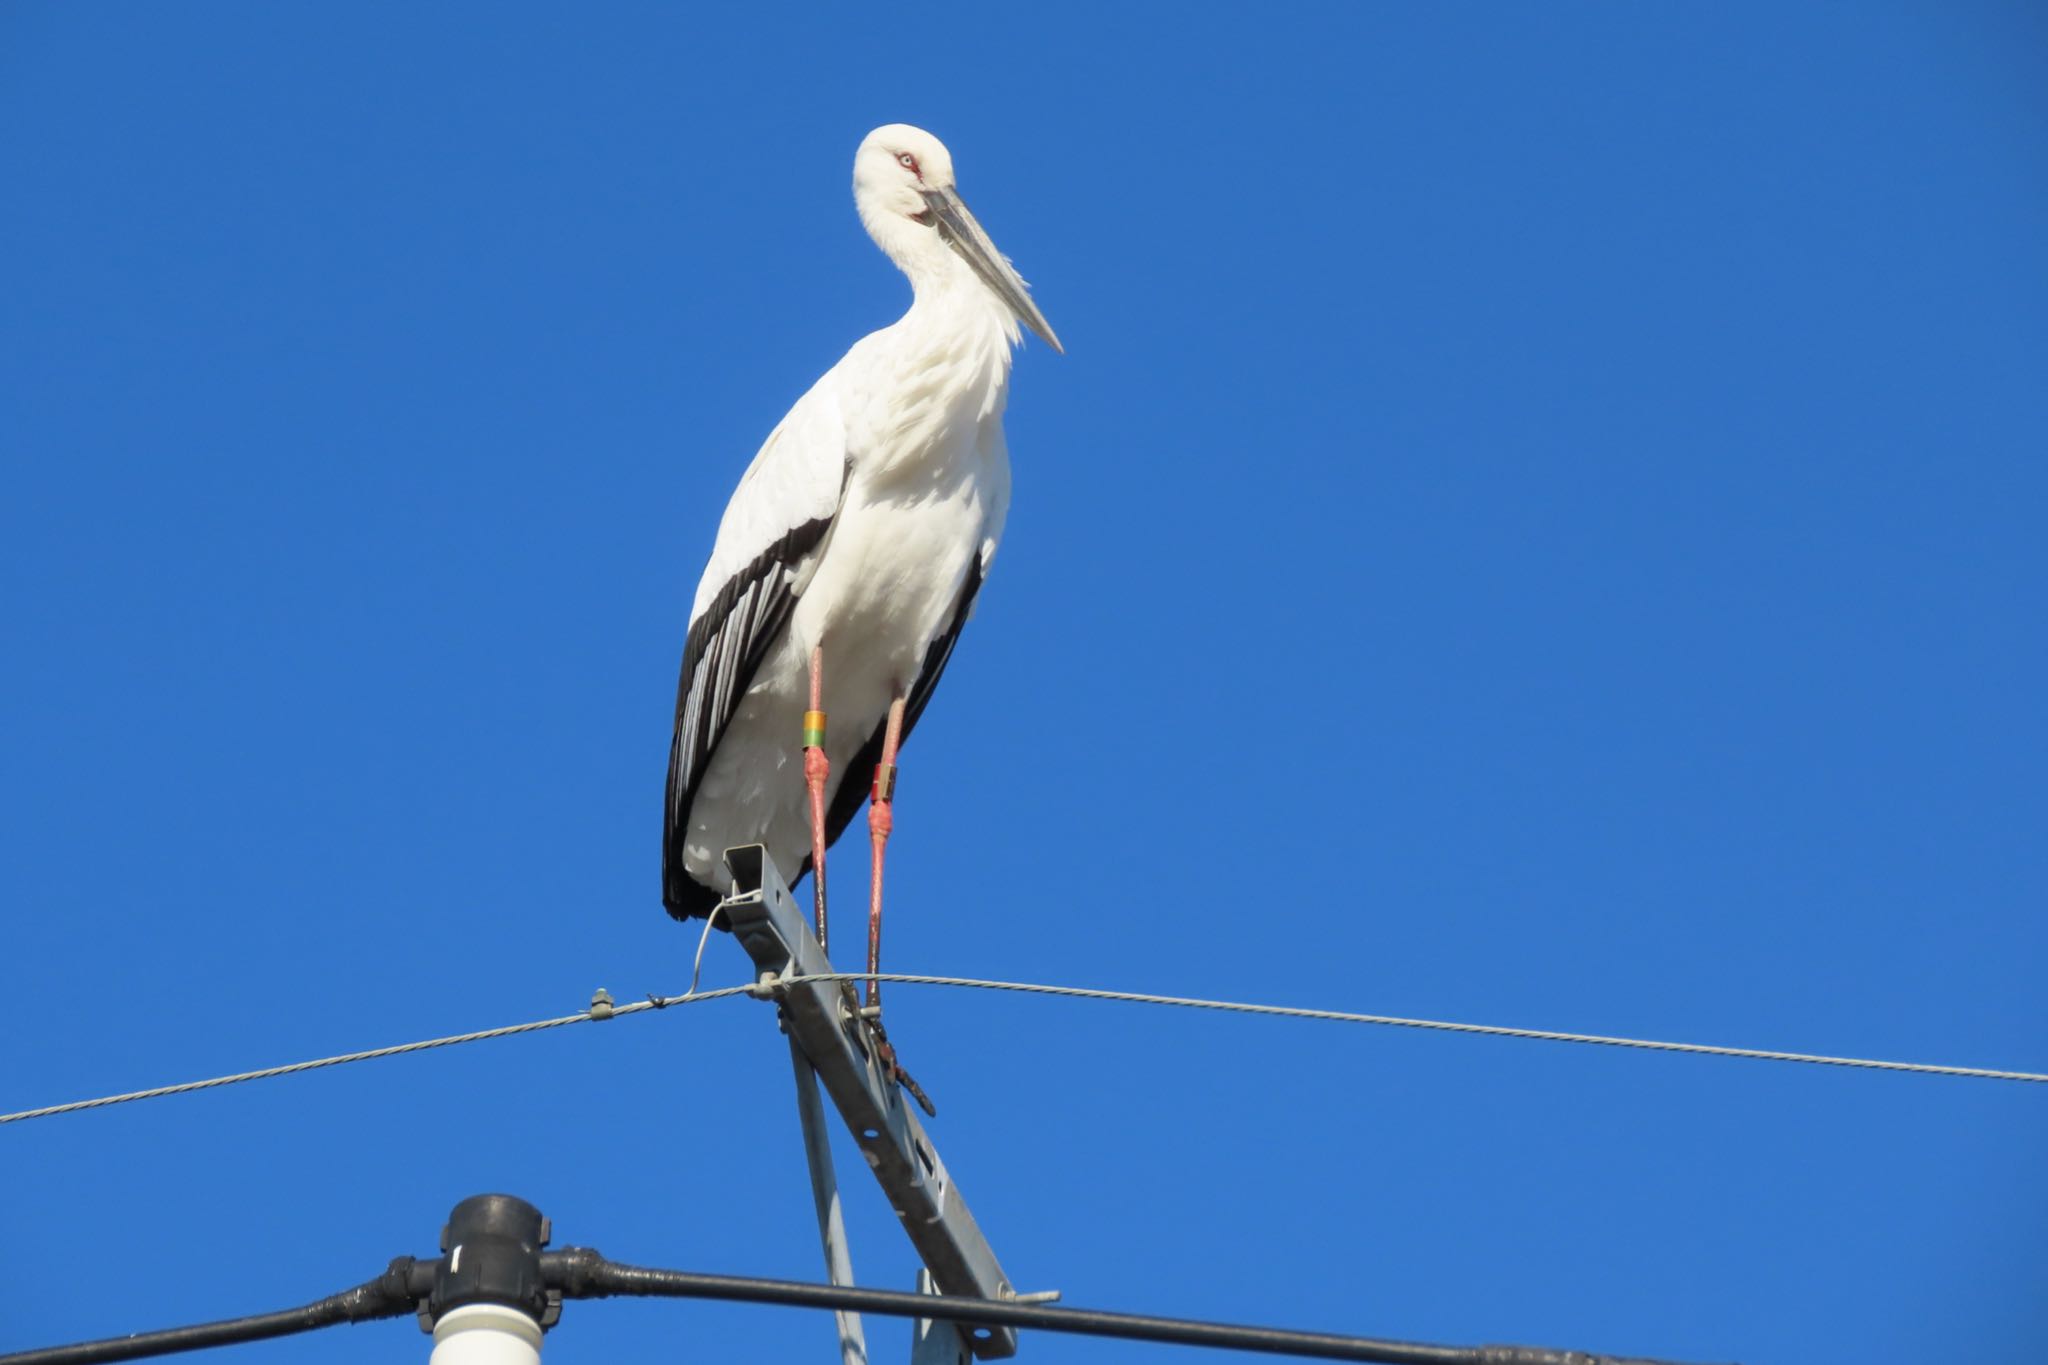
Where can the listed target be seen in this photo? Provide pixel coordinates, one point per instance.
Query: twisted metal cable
(605, 1010)
(1438, 1025)
(596, 1012)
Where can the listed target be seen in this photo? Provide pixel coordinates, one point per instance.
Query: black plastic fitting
(491, 1254)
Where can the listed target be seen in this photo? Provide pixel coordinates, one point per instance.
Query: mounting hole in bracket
(869, 1134)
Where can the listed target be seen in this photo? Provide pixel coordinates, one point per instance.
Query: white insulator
(486, 1334)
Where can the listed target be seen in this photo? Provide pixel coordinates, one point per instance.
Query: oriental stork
(848, 560)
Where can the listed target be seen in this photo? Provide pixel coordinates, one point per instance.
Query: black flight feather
(725, 646)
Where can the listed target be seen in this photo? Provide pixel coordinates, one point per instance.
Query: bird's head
(903, 186)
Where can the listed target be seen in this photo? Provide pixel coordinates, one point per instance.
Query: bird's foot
(892, 1067)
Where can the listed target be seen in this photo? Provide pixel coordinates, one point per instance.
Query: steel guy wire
(603, 1009)
(596, 1012)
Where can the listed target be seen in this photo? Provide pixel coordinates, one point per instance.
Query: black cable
(580, 1273)
(583, 1274)
(390, 1295)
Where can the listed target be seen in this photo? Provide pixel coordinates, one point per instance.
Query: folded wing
(773, 532)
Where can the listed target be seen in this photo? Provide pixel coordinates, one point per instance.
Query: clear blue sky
(1540, 523)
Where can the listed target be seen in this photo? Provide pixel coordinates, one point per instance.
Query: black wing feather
(726, 645)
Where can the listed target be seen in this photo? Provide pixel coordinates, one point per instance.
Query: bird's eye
(908, 162)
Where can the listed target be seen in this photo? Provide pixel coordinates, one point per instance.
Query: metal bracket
(823, 1021)
(935, 1342)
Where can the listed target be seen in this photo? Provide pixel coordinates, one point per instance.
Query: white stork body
(862, 529)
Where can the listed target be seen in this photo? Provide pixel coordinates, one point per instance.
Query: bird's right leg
(816, 769)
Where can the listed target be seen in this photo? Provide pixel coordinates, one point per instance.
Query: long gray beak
(957, 226)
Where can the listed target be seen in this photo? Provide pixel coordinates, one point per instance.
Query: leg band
(885, 782)
(814, 729)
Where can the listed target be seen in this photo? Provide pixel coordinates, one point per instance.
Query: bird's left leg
(881, 822)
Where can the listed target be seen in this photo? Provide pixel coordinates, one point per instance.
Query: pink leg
(881, 821)
(816, 769)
